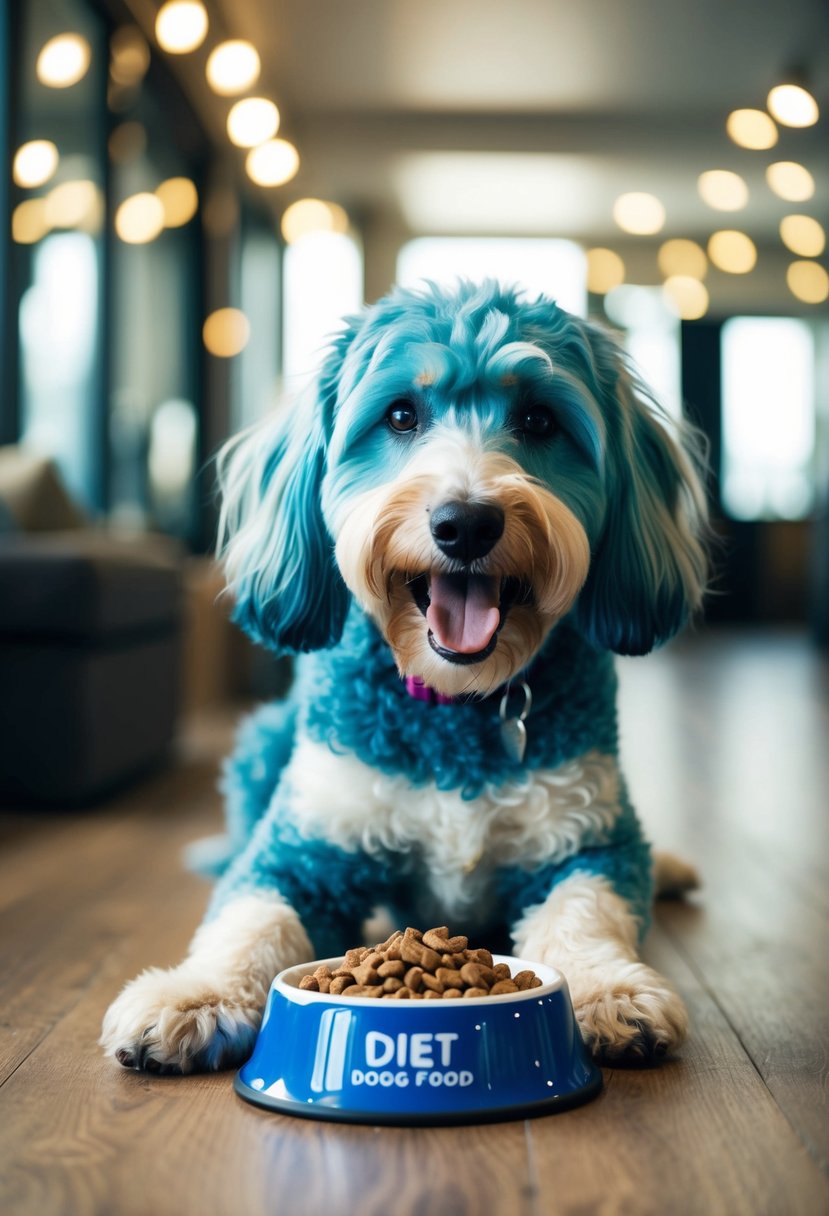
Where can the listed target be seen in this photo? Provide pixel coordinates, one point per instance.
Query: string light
(63, 61)
(605, 270)
(640, 214)
(793, 105)
(252, 121)
(272, 163)
(232, 67)
(181, 26)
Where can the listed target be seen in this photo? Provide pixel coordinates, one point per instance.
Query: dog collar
(513, 730)
(421, 691)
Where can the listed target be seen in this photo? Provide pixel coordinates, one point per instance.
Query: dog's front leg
(625, 1009)
(204, 1013)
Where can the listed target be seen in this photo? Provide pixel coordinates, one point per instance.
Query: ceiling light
(181, 26)
(685, 296)
(129, 56)
(252, 121)
(76, 204)
(790, 181)
(34, 163)
(605, 270)
(232, 67)
(751, 129)
(63, 61)
(808, 281)
(139, 219)
(803, 235)
(640, 214)
(272, 163)
(733, 252)
(722, 190)
(793, 105)
(681, 257)
(29, 223)
(180, 200)
(309, 215)
(226, 332)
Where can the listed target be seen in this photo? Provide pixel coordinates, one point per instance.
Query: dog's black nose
(466, 530)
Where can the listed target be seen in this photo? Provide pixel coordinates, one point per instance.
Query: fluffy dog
(477, 504)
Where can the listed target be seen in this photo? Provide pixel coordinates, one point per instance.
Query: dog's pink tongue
(463, 613)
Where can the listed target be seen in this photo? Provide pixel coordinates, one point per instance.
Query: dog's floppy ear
(648, 570)
(277, 552)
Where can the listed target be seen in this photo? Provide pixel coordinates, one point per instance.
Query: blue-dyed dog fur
(615, 469)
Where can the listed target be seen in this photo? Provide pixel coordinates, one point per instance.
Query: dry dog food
(419, 966)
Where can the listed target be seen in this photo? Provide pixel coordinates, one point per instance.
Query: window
(549, 267)
(323, 283)
(768, 418)
(57, 228)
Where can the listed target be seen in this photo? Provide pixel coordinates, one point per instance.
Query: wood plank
(760, 948)
(67, 908)
(700, 1134)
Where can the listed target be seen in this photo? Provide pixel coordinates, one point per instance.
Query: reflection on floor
(726, 740)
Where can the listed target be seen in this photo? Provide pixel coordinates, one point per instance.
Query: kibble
(420, 966)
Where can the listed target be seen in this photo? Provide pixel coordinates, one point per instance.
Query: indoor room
(414, 515)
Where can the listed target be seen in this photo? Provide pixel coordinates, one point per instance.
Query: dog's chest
(453, 842)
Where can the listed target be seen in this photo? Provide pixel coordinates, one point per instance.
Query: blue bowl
(363, 1060)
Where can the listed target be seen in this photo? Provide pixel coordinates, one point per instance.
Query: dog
(476, 507)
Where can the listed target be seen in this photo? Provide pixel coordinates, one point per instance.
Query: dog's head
(470, 468)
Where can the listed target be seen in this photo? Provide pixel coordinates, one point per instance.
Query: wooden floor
(726, 739)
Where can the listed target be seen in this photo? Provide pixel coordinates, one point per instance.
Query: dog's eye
(537, 421)
(402, 416)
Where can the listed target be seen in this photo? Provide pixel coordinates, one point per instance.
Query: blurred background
(194, 193)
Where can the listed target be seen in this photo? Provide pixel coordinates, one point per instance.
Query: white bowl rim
(287, 981)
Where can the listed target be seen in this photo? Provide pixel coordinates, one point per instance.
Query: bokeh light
(180, 200)
(803, 235)
(605, 270)
(309, 215)
(751, 129)
(682, 257)
(732, 251)
(793, 105)
(29, 222)
(790, 181)
(63, 61)
(722, 190)
(808, 281)
(252, 121)
(139, 219)
(75, 204)
(34, 163)
(226, 332)
(232, 67)
(181, 26)
(129, 56)
(640, 214)
(272, 163)
(686, 296)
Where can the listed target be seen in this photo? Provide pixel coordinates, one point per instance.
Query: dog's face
(481, 467)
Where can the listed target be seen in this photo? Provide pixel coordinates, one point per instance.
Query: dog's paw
(175, 1022)
(628, 1013)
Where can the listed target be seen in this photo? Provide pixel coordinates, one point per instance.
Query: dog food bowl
(473, 1060)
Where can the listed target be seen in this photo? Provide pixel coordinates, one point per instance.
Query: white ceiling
(533, 115)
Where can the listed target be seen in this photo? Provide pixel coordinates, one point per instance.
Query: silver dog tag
(513, 730)
(514, 738)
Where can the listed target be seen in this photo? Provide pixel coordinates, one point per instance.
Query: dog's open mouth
(465, 612)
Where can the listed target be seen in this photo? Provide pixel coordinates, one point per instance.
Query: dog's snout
(467, 530)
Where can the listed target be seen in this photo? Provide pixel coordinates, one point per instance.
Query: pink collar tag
(420, 690)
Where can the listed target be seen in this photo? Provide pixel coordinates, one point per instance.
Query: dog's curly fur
(354, 793)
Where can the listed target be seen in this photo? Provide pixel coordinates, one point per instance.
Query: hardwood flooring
(726, 743)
